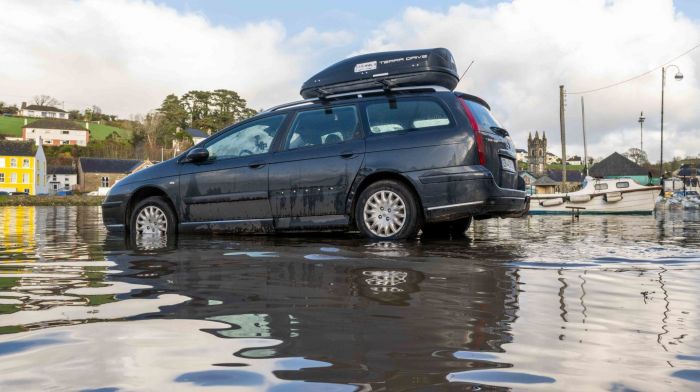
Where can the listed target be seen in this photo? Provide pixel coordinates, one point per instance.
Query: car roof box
(384, 70)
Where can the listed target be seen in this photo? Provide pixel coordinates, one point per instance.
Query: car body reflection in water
(590, 307)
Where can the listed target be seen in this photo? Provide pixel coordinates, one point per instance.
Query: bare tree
(45, 100)
(637, 156)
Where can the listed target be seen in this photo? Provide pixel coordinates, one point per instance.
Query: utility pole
(641, 131)
(585, 147)
(562, 129)
(661, 164)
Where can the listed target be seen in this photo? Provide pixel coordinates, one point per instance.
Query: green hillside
(12, 126)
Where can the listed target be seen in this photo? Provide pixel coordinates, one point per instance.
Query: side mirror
(197, 154)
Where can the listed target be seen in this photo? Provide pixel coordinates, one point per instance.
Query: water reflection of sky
(544, 302)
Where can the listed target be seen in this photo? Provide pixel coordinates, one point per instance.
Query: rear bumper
(459, 192)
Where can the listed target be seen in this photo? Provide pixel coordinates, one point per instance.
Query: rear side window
(323, 126)
(405, 115)
(482, 115)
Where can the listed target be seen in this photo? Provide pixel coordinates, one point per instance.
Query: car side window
(405, 115)
(252, 138)
(322, 127)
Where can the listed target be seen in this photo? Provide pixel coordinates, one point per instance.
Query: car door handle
(347, 155)
(257, 165)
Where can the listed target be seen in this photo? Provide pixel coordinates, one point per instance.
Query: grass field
(12, 126)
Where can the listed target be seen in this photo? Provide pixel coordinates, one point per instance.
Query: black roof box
(385, 70)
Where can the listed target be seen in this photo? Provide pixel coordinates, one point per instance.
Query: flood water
(604, 303)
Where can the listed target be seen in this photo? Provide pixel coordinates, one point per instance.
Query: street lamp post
(678, 77)
(641, 132)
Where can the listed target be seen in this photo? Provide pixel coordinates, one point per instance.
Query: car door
(310, 176)
(229, 191)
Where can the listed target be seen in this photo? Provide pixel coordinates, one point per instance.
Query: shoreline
(73, 200)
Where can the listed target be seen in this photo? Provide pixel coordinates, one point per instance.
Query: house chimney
(24, 105)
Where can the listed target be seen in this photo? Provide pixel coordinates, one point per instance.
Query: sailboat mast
(585, 146)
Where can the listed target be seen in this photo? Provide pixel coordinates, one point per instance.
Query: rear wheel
(454, 229)
(387, 210)
(152, 217)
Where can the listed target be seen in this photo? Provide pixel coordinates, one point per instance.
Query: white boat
(599, 196)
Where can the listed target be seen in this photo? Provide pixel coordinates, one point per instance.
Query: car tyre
(388, 210)
(153, 216)
(454, 229)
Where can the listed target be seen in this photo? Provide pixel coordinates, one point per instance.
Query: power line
(635, 77)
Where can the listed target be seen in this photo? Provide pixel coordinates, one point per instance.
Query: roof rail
(351, 94)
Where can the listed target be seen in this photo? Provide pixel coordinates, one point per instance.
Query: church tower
(537, 154)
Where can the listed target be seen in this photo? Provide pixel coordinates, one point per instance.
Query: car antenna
(464, 73)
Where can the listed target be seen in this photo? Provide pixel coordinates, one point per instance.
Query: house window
(53, 178)
(47, 141)
(105, 182)
(54, 186)
(2, 162)
(65, 142)
(13, 178)
(26, 190)
(13, 162)
(2, 177)
(25, 178)
(25, 162)
(66, 186)
(64, 132)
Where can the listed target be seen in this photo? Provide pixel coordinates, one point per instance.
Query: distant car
(389, 161)
(19, 194)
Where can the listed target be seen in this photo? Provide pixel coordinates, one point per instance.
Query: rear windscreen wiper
(500, 131)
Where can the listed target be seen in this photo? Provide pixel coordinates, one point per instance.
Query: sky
(125, 56)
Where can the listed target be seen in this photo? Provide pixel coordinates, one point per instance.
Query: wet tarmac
(545, 303)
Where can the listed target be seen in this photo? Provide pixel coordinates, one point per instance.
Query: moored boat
(599, 196)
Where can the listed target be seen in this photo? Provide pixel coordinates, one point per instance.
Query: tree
(637, 156)
(6, 109)
(174, 115)
(150, 129)
(45, 100)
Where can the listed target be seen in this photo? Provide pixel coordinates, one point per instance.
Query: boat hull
(637, 202)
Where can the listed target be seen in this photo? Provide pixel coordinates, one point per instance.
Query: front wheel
(153, 216)
(387, 210)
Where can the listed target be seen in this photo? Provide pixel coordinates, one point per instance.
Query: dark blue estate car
(387, 162)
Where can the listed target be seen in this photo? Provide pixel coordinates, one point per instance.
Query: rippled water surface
(604, 303)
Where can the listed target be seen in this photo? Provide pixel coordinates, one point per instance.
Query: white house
(551, 158)
(56, 132)
(521, 155)
(42, 111)
(61, 178)
(574, 160)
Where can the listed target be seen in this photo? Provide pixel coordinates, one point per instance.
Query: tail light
(477, 134)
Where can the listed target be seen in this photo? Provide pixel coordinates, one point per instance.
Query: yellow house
(22, 168)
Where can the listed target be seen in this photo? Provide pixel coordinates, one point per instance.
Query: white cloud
(525, 49)
(125, 56)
